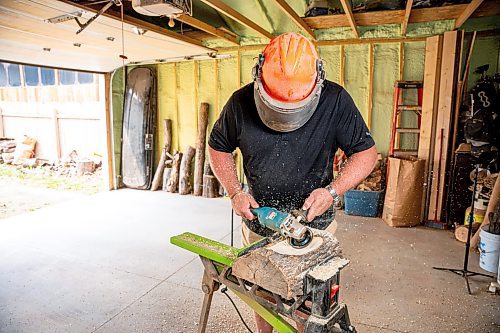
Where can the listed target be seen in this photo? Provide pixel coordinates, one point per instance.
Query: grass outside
(46, 177)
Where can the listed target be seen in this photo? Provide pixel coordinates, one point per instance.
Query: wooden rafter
(208, 28)
(295, 18)
(404, 25)
(350, 17)
(230, 12)
(488, 8)
(471, 8)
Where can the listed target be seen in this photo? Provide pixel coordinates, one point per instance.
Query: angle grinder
(287, 224)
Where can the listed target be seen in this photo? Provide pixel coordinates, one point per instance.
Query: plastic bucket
(489, 248)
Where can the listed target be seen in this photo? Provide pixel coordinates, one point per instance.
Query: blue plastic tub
(363, 203)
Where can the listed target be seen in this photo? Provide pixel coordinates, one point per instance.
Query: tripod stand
(464, 272)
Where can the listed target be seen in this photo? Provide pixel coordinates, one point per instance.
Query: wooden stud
(348, 13)
(372, 18)
(468, 11)
(401, 60)
(370, 86)
(223, 8)
(208, 28)
(443, 123)
(176, 105)
(295, 18)
(404, 24)
(109, 132)
(216, 83)
(195, 80)
(238, 61)
(432, 77)
(342, 65)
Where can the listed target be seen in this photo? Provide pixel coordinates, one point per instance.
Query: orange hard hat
(287, 82)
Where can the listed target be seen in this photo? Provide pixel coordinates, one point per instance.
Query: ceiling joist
(230, 12)
(350, 17)
(468, 11)
(406, 18)
(488, 8)
(295, 18)
(208, 28)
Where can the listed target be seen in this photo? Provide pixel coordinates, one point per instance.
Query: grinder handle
(302, 214)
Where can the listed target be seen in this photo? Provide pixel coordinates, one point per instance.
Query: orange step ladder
(394, 149)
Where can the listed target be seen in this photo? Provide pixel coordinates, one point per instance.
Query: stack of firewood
(7, 149)
(376, 180)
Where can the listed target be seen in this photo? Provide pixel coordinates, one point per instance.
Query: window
(48, 76)
(67, 77)
(85, 78)
(3, 76)
(31, 77)
(14, 75)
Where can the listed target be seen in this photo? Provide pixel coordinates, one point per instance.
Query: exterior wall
(61, 118)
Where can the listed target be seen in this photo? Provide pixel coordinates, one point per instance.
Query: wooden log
(494, 200)
(200, 149)
(281, 269)
(185, 171)
(167, 139)
(166, 177)
(210, 188)
(84, 167)
(173, 181)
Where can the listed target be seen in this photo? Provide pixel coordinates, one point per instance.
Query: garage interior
(106, 263)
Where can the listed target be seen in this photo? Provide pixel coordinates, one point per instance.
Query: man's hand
(317, 203)
(242, 202)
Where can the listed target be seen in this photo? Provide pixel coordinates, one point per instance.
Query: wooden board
(443, 124)
(488, 8)
(432, 71)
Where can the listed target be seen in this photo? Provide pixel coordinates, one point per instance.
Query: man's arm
(357, 168)
(225, 170)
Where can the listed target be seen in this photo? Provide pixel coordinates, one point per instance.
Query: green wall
(182, 86)
(213, 81)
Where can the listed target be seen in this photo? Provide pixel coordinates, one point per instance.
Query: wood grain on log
(185, 171)
(200, 149)
(166, 177)
(210, 187)
(281, 269)
(167, 139)
(173, 182)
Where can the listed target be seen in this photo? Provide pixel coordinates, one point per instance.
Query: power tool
(287, 224)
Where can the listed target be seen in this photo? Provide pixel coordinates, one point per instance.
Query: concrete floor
(104, 264)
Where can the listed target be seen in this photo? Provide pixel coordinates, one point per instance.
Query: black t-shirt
(282, 169)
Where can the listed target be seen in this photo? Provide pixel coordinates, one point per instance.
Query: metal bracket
(83, 26)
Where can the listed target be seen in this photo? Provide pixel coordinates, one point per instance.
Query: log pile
(376, 180)
(175, 171)
(7, 149)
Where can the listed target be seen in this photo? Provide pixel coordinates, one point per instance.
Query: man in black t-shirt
(288, 124)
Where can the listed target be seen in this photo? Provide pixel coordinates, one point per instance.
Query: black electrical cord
(224, 291)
